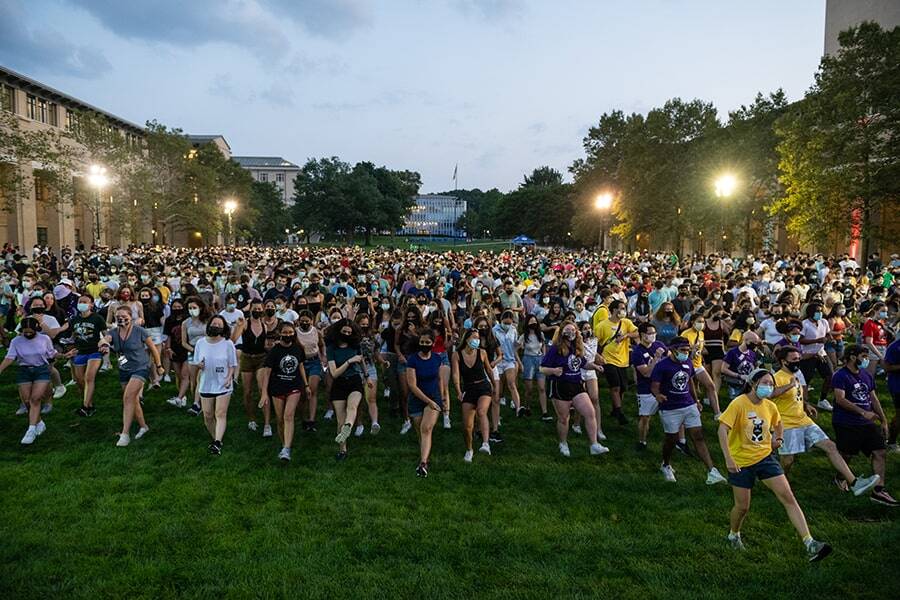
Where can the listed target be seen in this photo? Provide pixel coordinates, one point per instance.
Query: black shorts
(714, 353)
(564, 390)
(342, 387)
(473, 392)
(853, 439)
(895, 396)
(616, 377)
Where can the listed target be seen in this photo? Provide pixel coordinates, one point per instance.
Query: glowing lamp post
(97, 179)
(230, 206)
(603, 203)
(725, 186)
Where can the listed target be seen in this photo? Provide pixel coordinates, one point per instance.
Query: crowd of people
(311, 331)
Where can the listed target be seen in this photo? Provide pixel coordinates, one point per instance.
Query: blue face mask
(467, 324)
(474, 343)
(83, 307)
(764, 391)
(681, 356)
(864, 363)
(817, 316)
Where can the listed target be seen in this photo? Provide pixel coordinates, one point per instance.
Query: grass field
(164, 519)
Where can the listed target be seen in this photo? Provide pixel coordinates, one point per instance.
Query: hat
(66, 281)
(678, 342)
(61, 291)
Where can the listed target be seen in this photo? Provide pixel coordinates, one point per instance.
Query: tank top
(310, 342)
(474, 374)
(196, 329)
(713, 337)
(837, 328)
(439, 343)
(252, 343)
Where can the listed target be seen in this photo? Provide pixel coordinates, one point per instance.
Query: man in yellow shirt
(745, 436)
(602, 312)
(614, 337)
(800, 432)
(95, 287)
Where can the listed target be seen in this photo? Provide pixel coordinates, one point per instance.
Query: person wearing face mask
(368, 347)
(474, 388)
(32, 351)
(533, 345)
(192, 329)
(715, 332)
(694, 335)
(419, 288)
(644, 357)
(251, 334)
(670, 384)
(348, 371)
(125, 296)
(839, 325)
(313, 343)
(745, 321)
(589, 376)
(283, 383)
(739, 362)
(748, 445)
(813, 336)
(153, 314)
(87, 330)
(284, 312)
(801, 433)
(667, 322)
(768, 327)
(859, 422)
(614, 339)
(506, 335)
(176, 353)
(892, 367)
(443, 336)
(491, 347)
(426, 400)
(233, 315)
(875, 336)
(562, 366)
(216, 359)
(134, 349)
(405, 338)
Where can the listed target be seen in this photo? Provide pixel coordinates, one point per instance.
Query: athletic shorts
(373, 372)
(473, 392)
(496, 370)
(251, 363)
(214, 394)
(313, 367)
(714, 353)
(672, 420)
(765, 469)
(141, 374)
(81, 360)
(616, 377)
(156, 335)
(647, 405)
(798, 440)
(531, 367)
(32, 374)
(853, 439)
(342, 387)
(700, 369)
(417, 407)
(589, 375)
(564, 391)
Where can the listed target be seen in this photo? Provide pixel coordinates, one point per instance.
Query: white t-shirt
(813, 330)
(232, 317)
(771, 334)
(288, 316)
(217, 358)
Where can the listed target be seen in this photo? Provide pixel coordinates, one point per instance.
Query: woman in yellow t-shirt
(694, 334)
(745, 435)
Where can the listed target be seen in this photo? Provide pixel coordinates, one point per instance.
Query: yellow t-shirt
(600, 315)
(750, 433)
(164, 292)
(736, 335)
(790, 403)
(696, 339)
(615, 353)
(95, 289)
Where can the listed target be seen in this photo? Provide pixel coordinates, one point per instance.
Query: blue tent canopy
(522, 240)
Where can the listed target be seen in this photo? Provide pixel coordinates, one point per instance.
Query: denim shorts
(417, 407)
(531, 367)
(313, 367)
(765, 469)
(81, 360)
(126, 376)
(32, 374)
(445, 359)
(836, 346)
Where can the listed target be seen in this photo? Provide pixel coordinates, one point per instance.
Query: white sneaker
(864, 484)
(576, 429)
(22, 410)
(485, 448)
(70, 383)
(267, 431)
(176, 401)
(285, 454)
(329, 415)
(360, 430)
(467, 457)
(598, 449)
(59, 391)
(564, 449)
(714, 477)
(141, 432)
(825, 405)
(105, 368)
(30, 435)
(601, 437)
(407, 425)
(124, 440)
(446, 421)
(668, 472)
(375, 428)
(502, 401)
(252, 426)
(46, 408)
(387, 392)
(167, 378)
(40, 427)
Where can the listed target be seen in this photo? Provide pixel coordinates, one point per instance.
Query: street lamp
(97, 179)
(230, 206)
(603, 203)
(725, 185)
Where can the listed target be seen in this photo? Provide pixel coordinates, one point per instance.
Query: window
(42, 236)
(71, 121)
(77, 237)
(264, 177)
(54, 114)
(7, 98)
(31, 107)
(279, 177)
(42, 110)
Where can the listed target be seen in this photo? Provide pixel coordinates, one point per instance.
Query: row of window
(43, 236)
(264, 177)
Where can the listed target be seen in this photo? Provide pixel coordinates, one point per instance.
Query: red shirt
(874, 330)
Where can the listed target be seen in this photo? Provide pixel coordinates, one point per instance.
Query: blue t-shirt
(892, 357)
(674, 382)
(340, 356)
(640, 356)
(665, 330)
(427, 373)
(571, 365)
(857, 389)
(742, 363)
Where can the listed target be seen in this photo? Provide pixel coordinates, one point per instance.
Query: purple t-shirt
(674, 382)
(35, 352)
(742, 363)
(640, 356)
(571, 365)
(892, 357)
(857, 389)
(787, 342)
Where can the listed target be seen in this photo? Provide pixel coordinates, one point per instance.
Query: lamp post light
(603, 203)
(97, 179)
(230, 206)
(725, 185)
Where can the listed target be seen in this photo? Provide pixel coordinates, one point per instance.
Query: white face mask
(194, 312)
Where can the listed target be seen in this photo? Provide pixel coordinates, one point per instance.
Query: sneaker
(826, 406)
(46, 408)
(446, 421)
(718, 416)
(841, 483)
(495, 438)
(864, 484)
(176, 402)
(485, 448)
(124, 440)
(141, 432)
(502, 401)
(310, 426)
(343, 434)
(167, 378)
(105, 368)
(735, 542)
(340, 456)
(194, 410)
(360, 430)
(526, 411)
(329, 415)
(252, 426)
(546, 418)
(467, 457)
(816, 551)
(59, 391)
(154, 386)
(564, 449)
(215, 448)
(668, 472)
(22, 410)
(598, 449)
(86, 411)
(576, 429)
(714, 477)
(520, 412)
(882, 497)
(375, 429)
(601, 437)
(70, 383)
(893, 448)
(285, 454)
(422, 470)
(267, 431)
(684, 448)
(30, 435)
(620, 416)
(640, 446)
(407, 425)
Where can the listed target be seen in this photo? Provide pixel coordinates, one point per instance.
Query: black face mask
(753, 347)
(270, 312)
(304, 326)
(256, 314)
(793, 367)
(37, 310)
(314, 306)
(287, 339)
(30, 334)
(346, 337)
(214, 330)
(426, 346)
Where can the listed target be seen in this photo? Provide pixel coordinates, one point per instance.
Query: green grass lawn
(164, 519)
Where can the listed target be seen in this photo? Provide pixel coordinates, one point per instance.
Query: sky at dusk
(497, 86)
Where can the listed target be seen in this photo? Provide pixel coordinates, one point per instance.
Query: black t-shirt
(86, 332)
(243, 297)
(285, 363)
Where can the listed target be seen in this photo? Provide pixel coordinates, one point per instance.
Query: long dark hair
(333, 333)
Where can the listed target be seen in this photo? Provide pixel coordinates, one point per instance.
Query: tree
(264, 216)
(542, 176)
(839, 148)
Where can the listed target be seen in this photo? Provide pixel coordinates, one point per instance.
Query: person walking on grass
(644, 357)
(670, 383)
(347, 368)
(425, 400)
(745, 436)
(283, 383)
(87, 329)
(473, 379)
(32, 351)
(216, 359)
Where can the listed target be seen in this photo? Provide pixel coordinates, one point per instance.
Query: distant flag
(455, 180)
